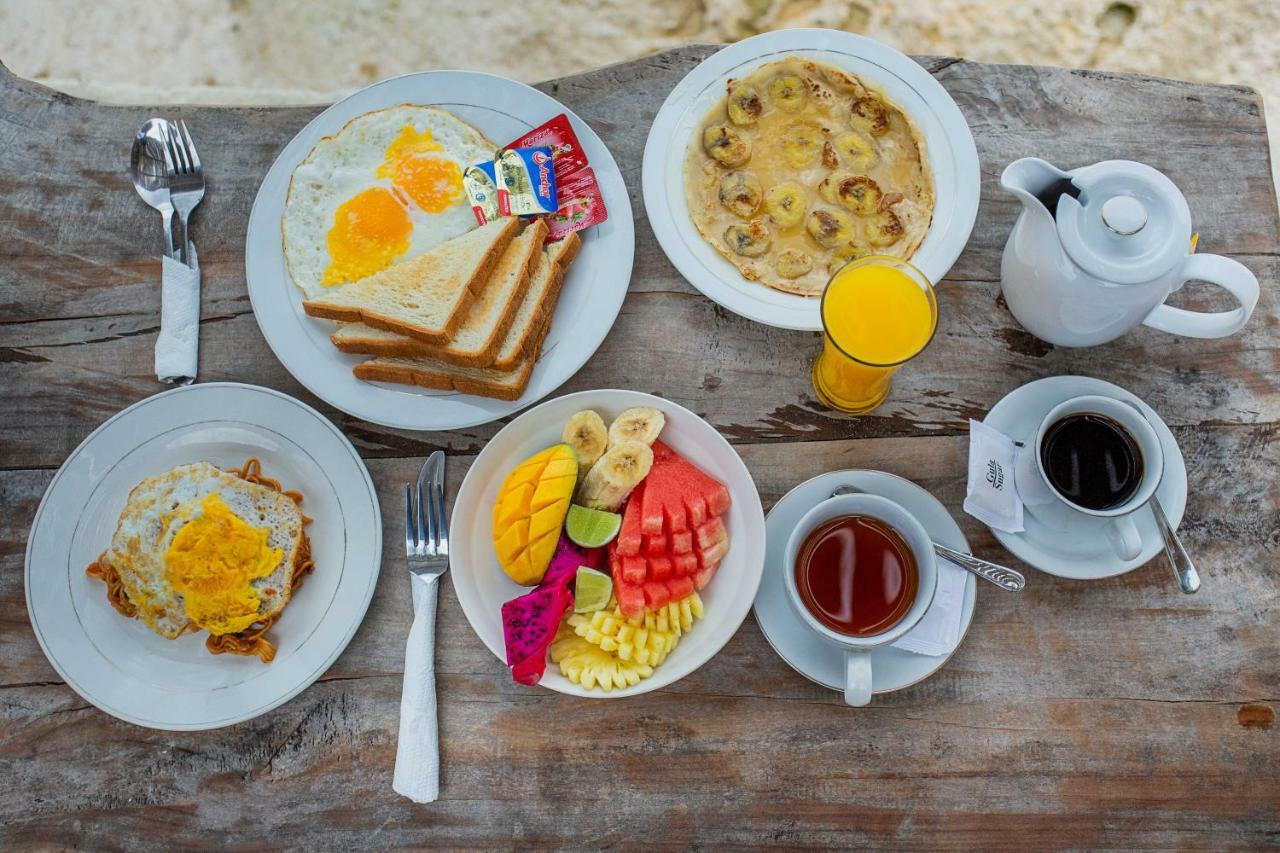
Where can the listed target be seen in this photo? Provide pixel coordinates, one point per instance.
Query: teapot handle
(1224, 272)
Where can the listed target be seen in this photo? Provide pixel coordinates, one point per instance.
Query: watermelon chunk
(704, 575)
(630, 599)
(710, 533)
(656, 595)
(659, 568)
(713, 555)
(630, 536)
(681, 543)
(678, 494)
(684, 564)
(680, 588)
(634, 569)
(655, 546)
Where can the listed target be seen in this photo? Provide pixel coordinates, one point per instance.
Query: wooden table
(1116, 713)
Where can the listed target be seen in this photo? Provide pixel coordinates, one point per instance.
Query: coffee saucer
(1069, 554)
(821, 660)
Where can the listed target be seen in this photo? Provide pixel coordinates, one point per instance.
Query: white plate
(482, 587)
(815, 657)
(1070, 555)
(589, 301)
(119, 664)
(949, 146)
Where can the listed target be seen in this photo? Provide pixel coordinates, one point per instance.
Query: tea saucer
(1069, 554)
(820, 660)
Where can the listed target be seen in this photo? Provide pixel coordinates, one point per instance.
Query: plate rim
(613, 188)
(754, 564)
(356, 621)
(732, 295)
(970, 594)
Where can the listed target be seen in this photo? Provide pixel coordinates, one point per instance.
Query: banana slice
(884, 229)
(830, 228)
(586, 434)
(793, 263)
(860, 194)
(614, 475)
(725, 146)
(857, 151)
(869, 115)
(640, 423)
(788, 92)
(741, 193)
(802, 144)
(786, 203)
(828, 186)
(744, 103)
(751, 240)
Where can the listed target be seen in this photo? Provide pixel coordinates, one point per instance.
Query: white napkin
(178, 346)
(417, 773)
(939, 631)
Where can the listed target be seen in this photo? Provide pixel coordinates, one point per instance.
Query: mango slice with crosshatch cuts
(530, 511)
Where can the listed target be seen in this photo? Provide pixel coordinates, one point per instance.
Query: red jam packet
(566, 151)
(581, 205)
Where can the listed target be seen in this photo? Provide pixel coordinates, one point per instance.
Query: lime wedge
(591, 528)
(591, 590)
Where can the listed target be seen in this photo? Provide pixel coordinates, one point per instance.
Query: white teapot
(1097, 250)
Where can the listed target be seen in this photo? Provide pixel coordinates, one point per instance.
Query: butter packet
(992, 495)
(526, 181)
(481, 184)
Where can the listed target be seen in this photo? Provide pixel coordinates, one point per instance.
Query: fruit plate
(949, 146)
(594, 286)
(482, 587)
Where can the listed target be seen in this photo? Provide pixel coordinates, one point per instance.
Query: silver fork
(186, 180)
(426, 548)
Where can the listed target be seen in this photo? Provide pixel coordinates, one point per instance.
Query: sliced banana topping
(615, 474)
(860, 194)
(884, 229)
(751, 240)
(741, 193)
(802, 143)
(869, 115)
(793, 263)
(788, 92)
(856, 151)
(725, 146)
(586, 434)
(744, 104)
(639, 423)
(830, 228)
(786, 203)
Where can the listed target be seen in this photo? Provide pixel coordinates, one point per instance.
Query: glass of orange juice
(878, 313)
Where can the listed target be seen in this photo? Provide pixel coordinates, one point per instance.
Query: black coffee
(1091, 460)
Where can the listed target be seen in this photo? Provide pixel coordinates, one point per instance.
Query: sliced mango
(530, 511)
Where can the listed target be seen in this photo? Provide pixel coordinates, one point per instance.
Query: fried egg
(198, 548)
(383, 189)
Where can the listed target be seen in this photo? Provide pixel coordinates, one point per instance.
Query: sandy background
(291, 51)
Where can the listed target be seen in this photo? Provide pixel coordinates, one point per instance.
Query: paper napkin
(938, 632)
(178, 346)
(417, 773)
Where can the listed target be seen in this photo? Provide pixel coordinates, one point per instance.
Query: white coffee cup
(857, 650)
(1049, 506)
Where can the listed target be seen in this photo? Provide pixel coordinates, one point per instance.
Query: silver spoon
(150, 176)
(1179, 560)
(1001, 576)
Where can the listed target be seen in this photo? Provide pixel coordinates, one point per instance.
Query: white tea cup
(1051, 507)
(857, 650)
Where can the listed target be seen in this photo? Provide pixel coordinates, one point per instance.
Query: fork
(426, 548)
(186, 179)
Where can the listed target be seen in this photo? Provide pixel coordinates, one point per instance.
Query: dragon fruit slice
(529, 621)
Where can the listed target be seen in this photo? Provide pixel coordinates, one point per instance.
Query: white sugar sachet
(992, 496)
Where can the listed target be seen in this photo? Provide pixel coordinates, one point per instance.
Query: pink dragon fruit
(529, 621)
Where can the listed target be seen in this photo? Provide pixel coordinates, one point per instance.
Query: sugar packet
(992, 495)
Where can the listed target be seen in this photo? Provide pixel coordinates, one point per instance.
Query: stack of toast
(469, 315)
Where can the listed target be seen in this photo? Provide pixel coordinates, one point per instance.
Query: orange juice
(878, 312)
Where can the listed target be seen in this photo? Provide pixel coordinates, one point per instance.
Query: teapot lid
(1130, 223)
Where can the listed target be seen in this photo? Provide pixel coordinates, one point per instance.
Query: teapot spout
(1037, 184)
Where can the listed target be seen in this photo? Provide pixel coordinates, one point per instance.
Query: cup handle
(1231, 275)
(857, 677)
(1124, 537)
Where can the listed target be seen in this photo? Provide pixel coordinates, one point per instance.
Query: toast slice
(508, 377)
(481, 333)
(424, 298)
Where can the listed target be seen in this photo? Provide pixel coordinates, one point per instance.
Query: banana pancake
(801, 167)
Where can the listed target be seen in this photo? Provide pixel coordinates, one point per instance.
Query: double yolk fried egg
(198, 548)
(383, 189)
